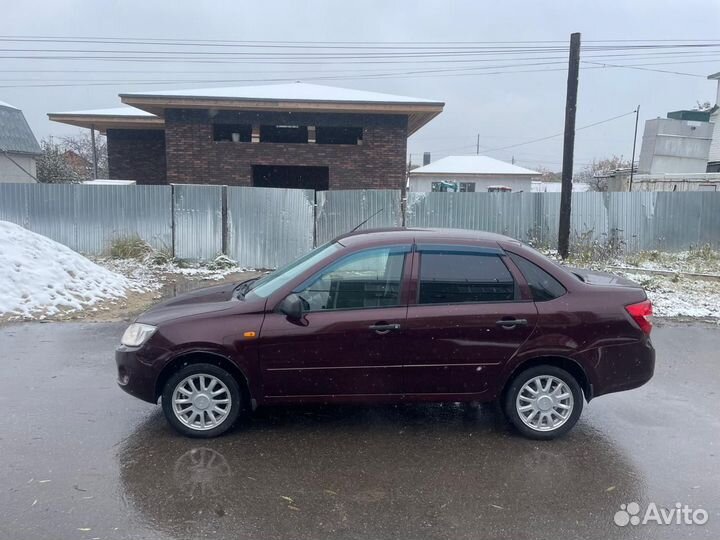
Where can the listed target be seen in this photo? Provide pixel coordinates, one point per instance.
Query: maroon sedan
(393, 316)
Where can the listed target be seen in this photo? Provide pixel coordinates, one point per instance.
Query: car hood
(201, 302)
(216, 293)
(595, 277)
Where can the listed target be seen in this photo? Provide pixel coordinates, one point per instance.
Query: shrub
(131, 247)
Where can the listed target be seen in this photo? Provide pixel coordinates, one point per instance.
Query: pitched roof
(15, 133)
(472, 165)
(293, 97)
(287, 92)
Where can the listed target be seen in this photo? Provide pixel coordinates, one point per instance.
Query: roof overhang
(418, 114)
(104, 121)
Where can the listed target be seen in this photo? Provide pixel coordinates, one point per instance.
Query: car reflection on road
(376, 472)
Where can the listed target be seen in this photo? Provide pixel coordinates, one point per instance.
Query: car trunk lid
(595, 277)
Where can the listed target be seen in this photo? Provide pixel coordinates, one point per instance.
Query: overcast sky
(504, 109)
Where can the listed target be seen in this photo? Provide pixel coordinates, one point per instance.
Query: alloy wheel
(201, 401)
(544, 403)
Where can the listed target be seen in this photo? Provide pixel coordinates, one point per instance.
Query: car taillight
(640, 313)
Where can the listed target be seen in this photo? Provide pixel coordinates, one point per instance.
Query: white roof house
(471, 174)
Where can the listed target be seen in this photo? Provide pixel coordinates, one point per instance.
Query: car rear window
(452, 278)
(542, 285)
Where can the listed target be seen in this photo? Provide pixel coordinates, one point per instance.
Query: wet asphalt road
(81, 459)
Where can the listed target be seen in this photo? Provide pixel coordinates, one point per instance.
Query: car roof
(408, 235)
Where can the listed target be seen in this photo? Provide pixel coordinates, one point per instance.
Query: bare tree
(81, 146)
(548, 175)
(53, 167)
(596, 173)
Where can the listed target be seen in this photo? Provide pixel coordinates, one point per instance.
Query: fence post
(224, 221)
(172, 220)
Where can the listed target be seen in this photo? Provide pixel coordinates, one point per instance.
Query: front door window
(369, 279)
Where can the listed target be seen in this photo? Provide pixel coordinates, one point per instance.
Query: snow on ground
(153, 275)
(39, 277)
(678, 296)
(681, 284)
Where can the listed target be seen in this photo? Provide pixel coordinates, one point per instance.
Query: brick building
(289, 135)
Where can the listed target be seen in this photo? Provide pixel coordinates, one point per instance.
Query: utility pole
(94, 152)
(569, 145)
(477, 147)
(632, 161)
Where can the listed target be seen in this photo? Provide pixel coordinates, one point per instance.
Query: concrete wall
(10, 172)
(675, 146)
(423, 183)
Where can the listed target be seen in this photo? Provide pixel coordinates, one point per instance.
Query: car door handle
(384, 328)
(511, 323)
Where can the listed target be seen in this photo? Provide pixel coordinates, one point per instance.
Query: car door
(348, 341)
(468, 319)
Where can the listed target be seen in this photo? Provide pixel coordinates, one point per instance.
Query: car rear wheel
(201, 400)
(544, 402)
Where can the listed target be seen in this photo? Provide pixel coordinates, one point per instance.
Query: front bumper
(134, 376)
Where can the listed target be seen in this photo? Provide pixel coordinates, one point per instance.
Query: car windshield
(270, 283)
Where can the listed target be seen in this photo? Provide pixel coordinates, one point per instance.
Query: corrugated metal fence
(89, 218)
(632, 221)
(269, 227)
(341, 211)
(265, 228)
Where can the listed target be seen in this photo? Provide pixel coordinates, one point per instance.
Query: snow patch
(40, 277)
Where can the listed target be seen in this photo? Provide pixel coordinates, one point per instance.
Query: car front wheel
(544, 402)
(201, 400)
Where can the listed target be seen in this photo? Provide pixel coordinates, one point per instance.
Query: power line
(449, 72)
(646, 69)
(539, 139)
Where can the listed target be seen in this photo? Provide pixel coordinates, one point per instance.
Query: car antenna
(368, 219)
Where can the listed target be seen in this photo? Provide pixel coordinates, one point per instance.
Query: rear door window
(463, 277)
(542, 285)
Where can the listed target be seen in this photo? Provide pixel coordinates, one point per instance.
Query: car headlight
(137, 334)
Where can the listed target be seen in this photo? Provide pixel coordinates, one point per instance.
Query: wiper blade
(242, 289)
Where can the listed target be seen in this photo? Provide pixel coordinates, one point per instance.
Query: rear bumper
(134, 376)
(623, 367)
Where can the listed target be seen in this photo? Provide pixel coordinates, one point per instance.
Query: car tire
(201, 400)
(552, 410)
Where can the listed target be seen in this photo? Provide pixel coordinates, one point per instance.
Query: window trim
(519, 295)
(406, 250)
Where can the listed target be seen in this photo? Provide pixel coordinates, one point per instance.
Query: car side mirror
(292, 307)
